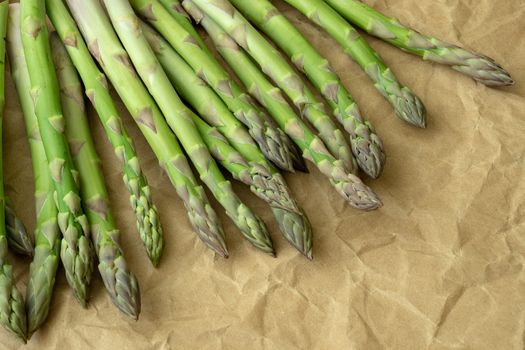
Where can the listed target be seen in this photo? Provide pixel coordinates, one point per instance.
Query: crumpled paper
(440, 266)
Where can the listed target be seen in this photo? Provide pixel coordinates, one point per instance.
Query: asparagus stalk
(148, 223)
(106, 48)
(121, 284)
(76, 249)
(12, 313)
(407, 105)
(479, 67)
(263, 179)
(179, 118)
(271, 97)
(174, 7)
(366, 145)
(18, 239)
(271, 140)
(275, 66)
(43, 269)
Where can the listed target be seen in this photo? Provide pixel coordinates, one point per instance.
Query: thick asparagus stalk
(349, 186)
(18, 239)
(179, 118)
(275, 66)
(174, 7)
(479, 67)
(271, 140)
(406, 104)
(12, 313)
(76, 249)
(148, 223)
(121, 284)
(366, 145)
(269, 186)
(106, 48)
(47, 233)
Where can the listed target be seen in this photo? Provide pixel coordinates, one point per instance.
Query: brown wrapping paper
(440, 266)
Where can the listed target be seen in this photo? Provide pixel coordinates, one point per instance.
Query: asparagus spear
(366, 145)
(18, 239)
(271, 140)
(121, 284)
(481, 68)
(179, 118)
(106, 48)
(76, 249)
(263, 179)
(275, 66)
(407, 105)
(349, 186)
(47, 233)
(174, 7)
(12, 313)
(148, 223)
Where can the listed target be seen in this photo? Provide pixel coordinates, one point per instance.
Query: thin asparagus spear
(407, 105)
(276, 67)
(174, 7)
(179, 118)
(121, 284)
(18, 239)
(148, 223)
(271, 140)
(106, 48)
(366, 145)
(479, 67)
(263, 179)
(76, 249)
(349, 186)
(43, 269)
(12, 313)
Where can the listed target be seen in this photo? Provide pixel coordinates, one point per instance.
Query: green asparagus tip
(309, 255)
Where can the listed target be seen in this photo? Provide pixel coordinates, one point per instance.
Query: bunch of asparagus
(190, 110)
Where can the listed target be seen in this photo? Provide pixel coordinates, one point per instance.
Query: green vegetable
(271, 140)
(179, 118)
(481, 68)
(349, 186)
(264, 180)
(276, 67)
(366, 145)
(76, 249)
(12, 313)
(43, 269)
(408, 106)
(106, 48)
(18, 239)
(96, 86)
(121, 284)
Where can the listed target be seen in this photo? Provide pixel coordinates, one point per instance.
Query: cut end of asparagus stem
(410, 108)
(296, 229)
